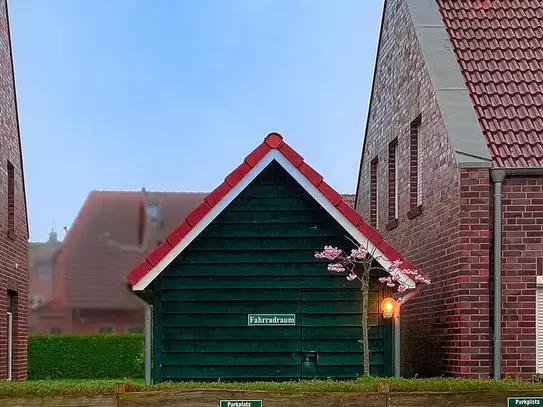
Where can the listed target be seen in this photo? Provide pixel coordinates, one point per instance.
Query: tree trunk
(365, 328)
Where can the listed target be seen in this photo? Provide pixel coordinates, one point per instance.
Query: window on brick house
(55, 331)
(393, 206)
(134, 329)
(153, 212)
(46, 271)
(11, 198)
(373, 194)
(34, 301)
(106, 329)
(11, 323)
(415, 167)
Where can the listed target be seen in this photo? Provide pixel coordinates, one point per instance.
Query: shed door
(331, 331)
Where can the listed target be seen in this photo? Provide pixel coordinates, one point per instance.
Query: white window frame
(10, 345)
(539, 325)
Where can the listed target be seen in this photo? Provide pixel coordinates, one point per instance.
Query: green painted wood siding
(257, 257)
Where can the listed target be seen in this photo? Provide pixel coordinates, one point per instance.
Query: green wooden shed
(237, 293)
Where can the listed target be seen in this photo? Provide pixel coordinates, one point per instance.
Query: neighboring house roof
(484, 60)
(349, 199)
(272, 148)
(41, 252)
(498, 48)
(104, 242)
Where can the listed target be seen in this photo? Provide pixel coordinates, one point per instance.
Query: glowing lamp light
(388, 306)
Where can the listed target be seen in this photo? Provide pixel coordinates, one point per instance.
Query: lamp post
(390, 309)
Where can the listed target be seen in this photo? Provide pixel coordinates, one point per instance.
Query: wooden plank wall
(258, 257)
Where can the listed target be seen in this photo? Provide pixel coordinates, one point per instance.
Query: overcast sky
(172, 94)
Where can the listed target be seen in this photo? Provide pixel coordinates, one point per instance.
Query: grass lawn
(87, 387)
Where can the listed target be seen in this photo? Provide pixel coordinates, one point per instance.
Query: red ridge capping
(178, 234)
(139, 272)
(291, 155)
(257, 154)
(272, 141)
(159, 253)
(237, 175)
(197, 214)
(217, 194)
(330, 193)
(313, 176)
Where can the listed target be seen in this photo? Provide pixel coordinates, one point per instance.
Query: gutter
(148, 334)
(498, 175)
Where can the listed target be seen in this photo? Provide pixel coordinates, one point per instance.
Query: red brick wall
(439, 334)
(473, 347)
(522, 261)
(13, 248)
(88, 322)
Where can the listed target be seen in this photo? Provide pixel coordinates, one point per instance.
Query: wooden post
(120, 388)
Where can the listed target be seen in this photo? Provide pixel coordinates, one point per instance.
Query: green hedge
(86, 356)
(89, 387)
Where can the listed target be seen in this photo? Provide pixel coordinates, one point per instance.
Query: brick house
(112, 230)
(452, 175)
(41, 257)
(13, 221)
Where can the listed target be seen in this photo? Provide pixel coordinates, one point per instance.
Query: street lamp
(388, 306)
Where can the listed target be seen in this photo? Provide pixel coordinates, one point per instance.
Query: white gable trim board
(234, 192)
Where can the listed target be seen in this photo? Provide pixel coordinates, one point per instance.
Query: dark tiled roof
(498, 46)
(349, 199)
(94, 270)
(275, 142)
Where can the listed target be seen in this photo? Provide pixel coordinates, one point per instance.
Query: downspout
(402, 299)
(148, 335)
(497, 177)
(397, 341)
(148, 342)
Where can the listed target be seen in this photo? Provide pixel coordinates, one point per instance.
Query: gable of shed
(273, 227)
(272, 149)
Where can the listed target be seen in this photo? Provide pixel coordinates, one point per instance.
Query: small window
(34, 301)
(153, 212)
(373, 194)
(134, 329)
(106, 329)
(46, 271)
(415, 170)
(11, 301)
(55, 330)
(393, 180)
(11, 198)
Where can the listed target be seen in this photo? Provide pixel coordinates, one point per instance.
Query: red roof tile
(498, 46)
(272, 141)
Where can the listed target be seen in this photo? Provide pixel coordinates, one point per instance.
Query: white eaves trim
(234, 192)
